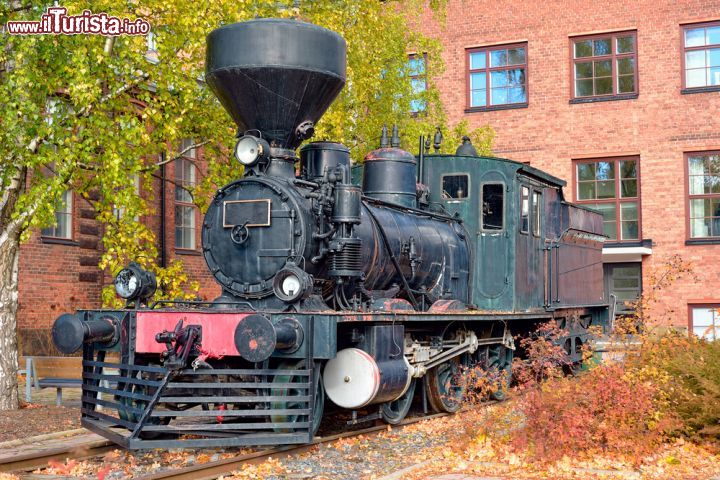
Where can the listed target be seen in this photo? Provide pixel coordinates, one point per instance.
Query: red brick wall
(659, 126)
(56, 277)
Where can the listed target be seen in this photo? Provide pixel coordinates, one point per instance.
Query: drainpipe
(163, 255)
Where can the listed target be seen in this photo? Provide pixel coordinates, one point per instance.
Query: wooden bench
(52, 372)
(56, 372)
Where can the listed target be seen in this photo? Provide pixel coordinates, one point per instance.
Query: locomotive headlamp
(249, 150)
(292, 283)
(133, 282)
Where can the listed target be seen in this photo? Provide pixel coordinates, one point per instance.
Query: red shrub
(602, 410)
(545, 356)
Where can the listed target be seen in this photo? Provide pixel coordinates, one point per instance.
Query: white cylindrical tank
(354, 379)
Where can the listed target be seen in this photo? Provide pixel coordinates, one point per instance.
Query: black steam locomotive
(365, 296)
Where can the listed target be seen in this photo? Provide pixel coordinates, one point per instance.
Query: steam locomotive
(365, 296)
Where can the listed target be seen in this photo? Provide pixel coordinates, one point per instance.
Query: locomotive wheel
(319, 397)
(444, 385)
(500, 358)
(394, 412)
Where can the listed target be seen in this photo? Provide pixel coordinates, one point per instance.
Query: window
(184, 207)
(56, 108)
(705, 321)
(53, 107)
(704, 193)
(524, 209)
(624, 280)
(497, 76)
(604, 65)
(493, 203)
(612, 187)
(701, 55)
(151, 54)
(418, 81)
(63, 218)
(119, 212)
(536, 213)
(455, 187)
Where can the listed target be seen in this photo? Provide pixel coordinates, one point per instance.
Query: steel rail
(39, 459)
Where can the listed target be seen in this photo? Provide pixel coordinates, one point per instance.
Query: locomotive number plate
(251, 213)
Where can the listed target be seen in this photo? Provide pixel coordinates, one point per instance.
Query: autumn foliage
(687, 370)
(545, 356)
(604, 410)
(656, 385)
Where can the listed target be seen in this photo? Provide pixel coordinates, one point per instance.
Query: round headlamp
(133, 282)
(249, 150)
(292, 283)
(127, 283)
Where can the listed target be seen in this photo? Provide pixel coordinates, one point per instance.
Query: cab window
(537, 198)
(455, 187)
(524, 210)
(493, 204)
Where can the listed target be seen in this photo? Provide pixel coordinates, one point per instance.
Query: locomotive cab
(533, 250)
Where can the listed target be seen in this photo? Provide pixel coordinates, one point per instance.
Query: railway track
(22, 464)
(38, 459)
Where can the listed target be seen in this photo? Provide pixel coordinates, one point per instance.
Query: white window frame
(185, 232)
(62, 214)
(711, 330)
(119, 212)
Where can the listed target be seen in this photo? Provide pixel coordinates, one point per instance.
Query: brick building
(621, 99)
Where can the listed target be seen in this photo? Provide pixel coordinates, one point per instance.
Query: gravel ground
(121, 464)
(41, 416)
(366, 456)
(359, 458)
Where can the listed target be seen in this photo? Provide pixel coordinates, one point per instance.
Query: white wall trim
(624, 254)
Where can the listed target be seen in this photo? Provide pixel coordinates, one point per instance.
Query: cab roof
(521, 167)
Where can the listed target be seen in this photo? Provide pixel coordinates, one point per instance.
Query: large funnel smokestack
(275, 76)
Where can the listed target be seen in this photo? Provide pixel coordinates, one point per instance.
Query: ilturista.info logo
(56, 21)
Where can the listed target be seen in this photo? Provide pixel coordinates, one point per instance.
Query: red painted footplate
(218, 330)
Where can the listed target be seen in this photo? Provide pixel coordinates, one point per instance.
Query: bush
(612, 407)
(604, 409)
(688, 371)
(670, 385)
